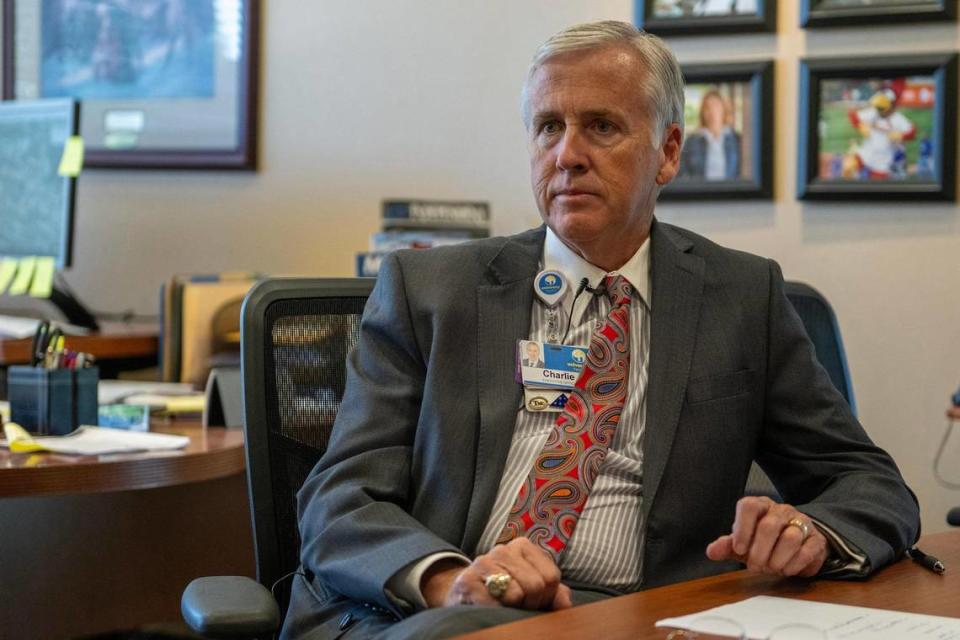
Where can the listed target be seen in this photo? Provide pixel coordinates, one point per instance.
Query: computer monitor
(36, 202)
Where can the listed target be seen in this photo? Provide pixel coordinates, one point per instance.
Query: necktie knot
(618, 289)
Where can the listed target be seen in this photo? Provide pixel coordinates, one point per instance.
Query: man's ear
(670, 148)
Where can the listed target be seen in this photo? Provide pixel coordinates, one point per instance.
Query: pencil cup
(52, 402)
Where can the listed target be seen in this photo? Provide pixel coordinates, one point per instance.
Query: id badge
(544, 365)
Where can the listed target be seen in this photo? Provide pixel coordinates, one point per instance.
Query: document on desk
(94, 441)
(761, 614)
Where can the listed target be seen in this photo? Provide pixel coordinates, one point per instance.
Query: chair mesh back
(306, 342)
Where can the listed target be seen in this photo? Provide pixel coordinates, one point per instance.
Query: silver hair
(662, 81)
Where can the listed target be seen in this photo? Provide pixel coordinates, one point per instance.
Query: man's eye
(603, 126)
(550, 128)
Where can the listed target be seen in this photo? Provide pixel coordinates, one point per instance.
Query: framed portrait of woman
(728, 133)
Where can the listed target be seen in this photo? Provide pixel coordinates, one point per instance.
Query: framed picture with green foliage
(878, 128)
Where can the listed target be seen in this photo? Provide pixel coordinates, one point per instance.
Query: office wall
(363, 100)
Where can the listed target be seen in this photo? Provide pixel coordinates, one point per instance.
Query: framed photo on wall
(728, 133)
(162, 83)
(878, 128)
(688, 17)
(830, 13)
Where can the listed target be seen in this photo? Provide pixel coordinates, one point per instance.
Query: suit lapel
(677, 281)
(503, 317)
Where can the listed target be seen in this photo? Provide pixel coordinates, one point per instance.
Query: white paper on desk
(761, 614)
(116, 391)
(94, 441)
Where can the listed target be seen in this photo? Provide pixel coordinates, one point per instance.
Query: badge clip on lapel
(550, 286)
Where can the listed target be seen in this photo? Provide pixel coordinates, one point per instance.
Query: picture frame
(698, 17)
(840, 13)
(162, 84)
(878, 128)
(732, 104)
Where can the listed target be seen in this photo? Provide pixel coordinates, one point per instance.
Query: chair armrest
(229, 607)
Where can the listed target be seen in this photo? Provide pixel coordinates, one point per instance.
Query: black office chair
(821, 325)
(295, 337)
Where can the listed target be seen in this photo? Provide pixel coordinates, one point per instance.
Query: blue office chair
(295, 336)
(821, 325)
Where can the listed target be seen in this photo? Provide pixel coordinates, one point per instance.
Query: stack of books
(422, 224)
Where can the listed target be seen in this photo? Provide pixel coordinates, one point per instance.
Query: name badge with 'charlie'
(549, 366)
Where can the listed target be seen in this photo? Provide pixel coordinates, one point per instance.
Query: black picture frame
(818, 13)
(942, 67)
(759, 76)
(764, 20)
(225, 124)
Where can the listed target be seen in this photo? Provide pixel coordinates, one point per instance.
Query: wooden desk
(211, 454)
(96, 544)
(118, 342)
(904, 586)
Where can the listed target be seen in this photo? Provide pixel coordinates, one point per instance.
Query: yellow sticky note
(72, 159)
(21, 282)
(19, 440)
(42, 284)
(8, 267)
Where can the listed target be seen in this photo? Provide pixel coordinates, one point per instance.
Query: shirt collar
(558, 256)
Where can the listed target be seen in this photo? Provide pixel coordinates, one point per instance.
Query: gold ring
(497, 584)
(800, 524)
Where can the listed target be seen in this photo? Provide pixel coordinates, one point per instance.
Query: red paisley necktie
(552, 497)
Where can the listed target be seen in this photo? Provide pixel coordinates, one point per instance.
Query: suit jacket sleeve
(355, 530)
(817, 453)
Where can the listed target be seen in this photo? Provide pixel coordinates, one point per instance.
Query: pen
(39, 346)
(926, 561)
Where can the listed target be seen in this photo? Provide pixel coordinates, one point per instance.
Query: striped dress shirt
(606, 549)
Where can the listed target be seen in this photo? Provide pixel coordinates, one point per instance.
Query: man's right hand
(535, 582)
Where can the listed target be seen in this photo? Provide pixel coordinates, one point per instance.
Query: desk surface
(212, 453)
(117, 341)
(904, 586)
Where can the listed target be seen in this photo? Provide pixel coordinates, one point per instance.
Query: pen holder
(52, 402)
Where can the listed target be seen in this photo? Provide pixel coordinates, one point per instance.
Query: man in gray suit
(403, 521)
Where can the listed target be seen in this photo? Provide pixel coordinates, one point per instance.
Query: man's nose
(572, 151)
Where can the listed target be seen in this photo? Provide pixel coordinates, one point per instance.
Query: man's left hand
(764, 540)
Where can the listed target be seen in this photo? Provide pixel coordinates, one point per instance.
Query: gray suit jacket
(421, 439)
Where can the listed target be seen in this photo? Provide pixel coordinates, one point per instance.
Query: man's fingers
(469, 587)
(534, 575)
(786, 549)
(768, 531)
(545, 566)
(809, 558)
(722, 549)
(764, 540)
(562, 599)
(749, 512)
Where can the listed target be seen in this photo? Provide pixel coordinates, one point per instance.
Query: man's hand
(535, 580)
(763, 539)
